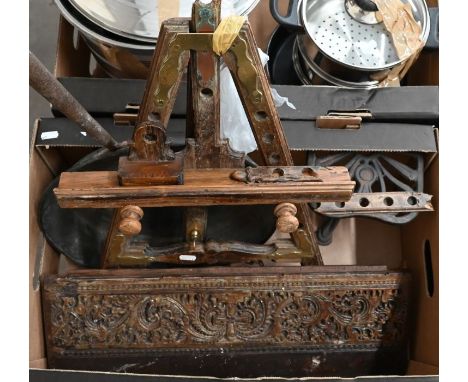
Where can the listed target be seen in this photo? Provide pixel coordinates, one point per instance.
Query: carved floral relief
(200, 319)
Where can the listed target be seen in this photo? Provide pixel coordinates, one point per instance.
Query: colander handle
(367, 5)
(433, 38)
(291, 20)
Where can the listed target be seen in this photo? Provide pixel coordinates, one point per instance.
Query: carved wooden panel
(95, 313)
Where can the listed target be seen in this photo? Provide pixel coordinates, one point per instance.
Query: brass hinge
(342, 119)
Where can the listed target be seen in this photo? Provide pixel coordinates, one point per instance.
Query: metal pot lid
(93, 31)
(352, 39)
(141, 19)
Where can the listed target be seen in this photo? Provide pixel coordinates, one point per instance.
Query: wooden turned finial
(286, 214)
(130, 217)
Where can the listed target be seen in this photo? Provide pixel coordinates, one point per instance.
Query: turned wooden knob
(130, 217)
(286, 214)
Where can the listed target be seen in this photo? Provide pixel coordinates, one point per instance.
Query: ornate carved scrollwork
(110, 314)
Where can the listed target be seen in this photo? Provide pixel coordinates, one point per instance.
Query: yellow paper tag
(226, 33)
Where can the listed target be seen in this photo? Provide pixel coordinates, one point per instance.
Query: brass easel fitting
(194, 237)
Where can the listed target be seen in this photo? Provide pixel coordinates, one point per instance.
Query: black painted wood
(101, 96)
(301, 135)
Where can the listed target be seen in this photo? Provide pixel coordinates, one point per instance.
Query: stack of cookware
(339, 42)
(122, 35)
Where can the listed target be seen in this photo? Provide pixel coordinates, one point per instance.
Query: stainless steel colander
(343, 41)
(347, 40)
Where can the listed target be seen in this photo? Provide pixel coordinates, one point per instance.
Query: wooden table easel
(208, 171)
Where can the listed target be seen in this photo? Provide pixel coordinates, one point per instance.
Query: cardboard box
(413, 246)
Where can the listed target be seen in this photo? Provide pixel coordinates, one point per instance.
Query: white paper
(234, 124)
(49, 135)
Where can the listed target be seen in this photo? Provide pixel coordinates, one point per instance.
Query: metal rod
(41, 80)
